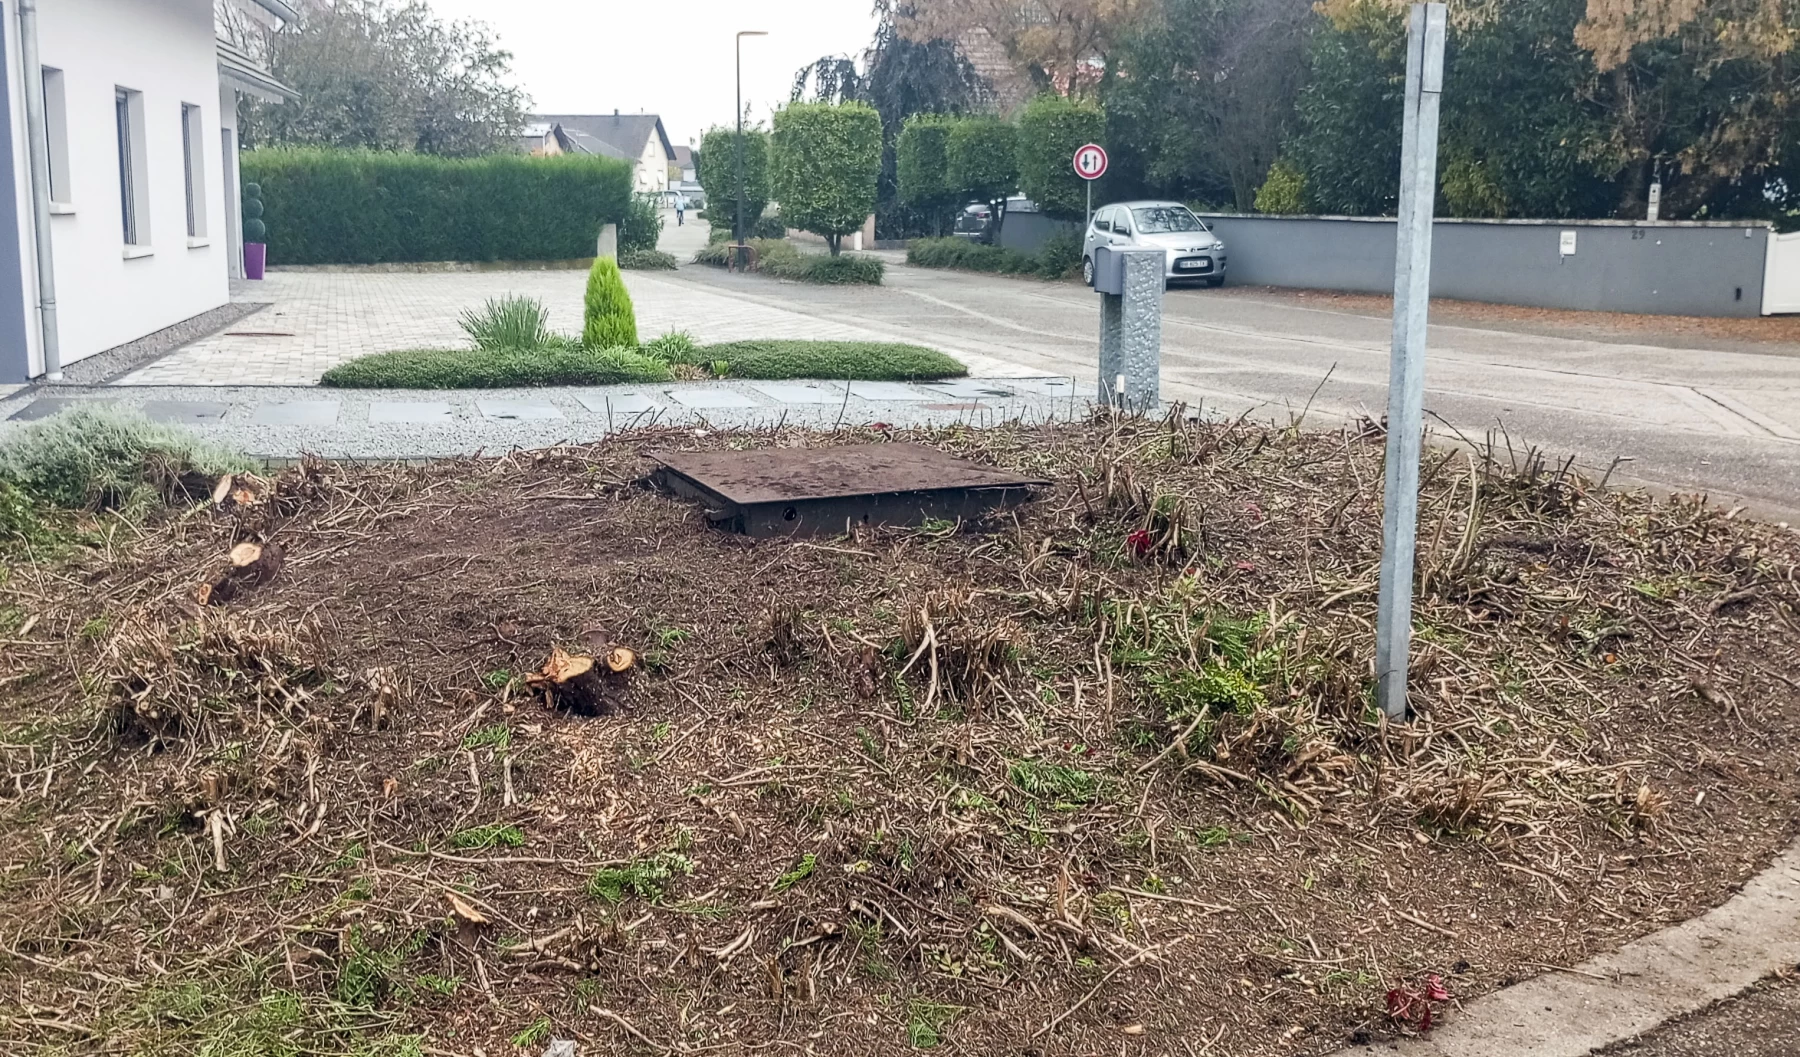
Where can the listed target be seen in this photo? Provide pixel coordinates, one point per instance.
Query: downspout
(39, 140)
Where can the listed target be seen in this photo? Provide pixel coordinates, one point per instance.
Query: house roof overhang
(279, 8)
(242, 73)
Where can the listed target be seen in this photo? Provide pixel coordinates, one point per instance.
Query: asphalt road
(1723, 421)
(1762, 1022)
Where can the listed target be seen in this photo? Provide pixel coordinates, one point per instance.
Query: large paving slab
(711, 398)
(606, 402)
(45, 406)
(184, 412)
(519, 410)
(800, 392)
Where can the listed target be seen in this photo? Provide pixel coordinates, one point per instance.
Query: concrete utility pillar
(1130, 284)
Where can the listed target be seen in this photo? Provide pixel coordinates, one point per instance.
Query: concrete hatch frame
(776, 492)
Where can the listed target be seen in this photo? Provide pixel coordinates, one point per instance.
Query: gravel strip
(103, 367)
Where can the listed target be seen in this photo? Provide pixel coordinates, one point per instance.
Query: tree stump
(248, 565)
(582, 685)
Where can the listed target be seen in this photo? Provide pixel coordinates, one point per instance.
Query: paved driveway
(320, 319)
(1724, 420)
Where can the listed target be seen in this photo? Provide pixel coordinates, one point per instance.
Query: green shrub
(768, 226)
(718, 175)
(825, 161)
(647, 260)
(362, 207)
(982, 153)
(610, 321)
(841, 271)
(1051, 129)
(1059, 255)
(780, 259)
(861, 360)
(510, 322)
(557, 364)
(254, 228)
(677, 346)
(922, 165)
(1284, 191)
(104, 458)
(21, 521)
(641, 227)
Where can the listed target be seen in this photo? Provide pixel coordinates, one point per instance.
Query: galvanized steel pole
(1406, 374)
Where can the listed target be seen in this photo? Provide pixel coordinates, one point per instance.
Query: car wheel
(1087, 270)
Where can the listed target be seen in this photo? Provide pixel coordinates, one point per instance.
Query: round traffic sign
(1090, 162)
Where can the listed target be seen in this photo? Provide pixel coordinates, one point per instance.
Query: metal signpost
(1406, 375)
(1090, 165)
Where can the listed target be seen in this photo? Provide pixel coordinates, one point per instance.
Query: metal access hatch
(822, 491)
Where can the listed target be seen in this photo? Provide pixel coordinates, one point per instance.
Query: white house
(637, 138)
(135, 203)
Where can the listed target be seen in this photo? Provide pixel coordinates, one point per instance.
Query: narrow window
(56, 122)
(128, 113)
(193, 169)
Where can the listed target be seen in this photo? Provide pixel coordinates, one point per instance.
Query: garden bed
(780, 259)
(1105, 775)
(661, 360)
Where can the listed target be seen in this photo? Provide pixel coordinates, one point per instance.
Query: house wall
(17, 309)
(652, 166)
(1669, 267)
(165, 50)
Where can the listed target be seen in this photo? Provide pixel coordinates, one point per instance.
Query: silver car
(1191, 249)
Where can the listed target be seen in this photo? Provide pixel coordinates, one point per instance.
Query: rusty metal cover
(788, 475)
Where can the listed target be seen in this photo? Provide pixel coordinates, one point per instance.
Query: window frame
(56, 129)
(193, 162)
(134, 177)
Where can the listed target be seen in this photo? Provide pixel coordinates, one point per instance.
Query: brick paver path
(321, 319)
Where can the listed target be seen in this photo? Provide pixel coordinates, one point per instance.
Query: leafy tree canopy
(385, 76)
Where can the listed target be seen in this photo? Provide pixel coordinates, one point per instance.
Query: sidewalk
(283, 422)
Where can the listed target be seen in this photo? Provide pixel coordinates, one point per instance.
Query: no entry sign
(1090, 162)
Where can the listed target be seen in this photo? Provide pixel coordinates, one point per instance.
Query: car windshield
(1162, 220)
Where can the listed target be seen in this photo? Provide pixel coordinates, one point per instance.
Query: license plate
(1190, 265)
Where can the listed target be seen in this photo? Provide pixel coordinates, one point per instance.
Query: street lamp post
(737, 229)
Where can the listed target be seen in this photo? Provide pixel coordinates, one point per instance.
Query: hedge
(1059, 257)
(365, 207)
(781, 259)
(1051, 129)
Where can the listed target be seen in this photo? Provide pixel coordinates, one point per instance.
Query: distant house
(637, 138)
(130, 215)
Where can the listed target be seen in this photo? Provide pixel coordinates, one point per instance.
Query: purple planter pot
(255, 254)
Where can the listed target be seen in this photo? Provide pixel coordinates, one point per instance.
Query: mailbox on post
(1130, 284)
(1109, 271)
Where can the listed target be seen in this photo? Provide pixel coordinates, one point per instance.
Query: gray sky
(669, 58)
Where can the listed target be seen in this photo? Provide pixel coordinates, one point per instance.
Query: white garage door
(1781, 274)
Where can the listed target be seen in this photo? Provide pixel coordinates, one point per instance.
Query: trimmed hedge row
(781, 259)
(1059, 257)
(364, 207)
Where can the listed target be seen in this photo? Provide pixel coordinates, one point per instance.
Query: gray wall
(1676, 268)
(1028, 230)
(15, 362)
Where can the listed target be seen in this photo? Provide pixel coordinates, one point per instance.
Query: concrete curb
(1623, 994)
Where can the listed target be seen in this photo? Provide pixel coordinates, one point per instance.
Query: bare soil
(1104, 778)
